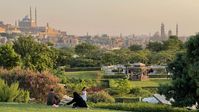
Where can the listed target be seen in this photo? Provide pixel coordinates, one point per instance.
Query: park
(30, 69)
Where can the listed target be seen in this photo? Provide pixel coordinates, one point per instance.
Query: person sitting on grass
(52, 99)
(78, 101)
(84, 94)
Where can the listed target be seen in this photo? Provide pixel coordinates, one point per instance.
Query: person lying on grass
(77, 101)
(52, 99)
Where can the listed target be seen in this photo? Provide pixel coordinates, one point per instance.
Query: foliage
(121, 87)
(135, 47)
(116, 76)
(95, 75)
(141, 56)
(77, 84)
(173, 43)
(85, 49)
(12, 93)
(155, 46)
(184, 86)
(139, 92)
(76, 69)
(38, 84)
(162, 57)
(83, 62)
(139, 107)
(101, 96)
(8, 57)
(127, 99)
(35, 55)
(64, 56)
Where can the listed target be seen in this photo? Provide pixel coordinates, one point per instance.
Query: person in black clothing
(52, 98)
(78, 101)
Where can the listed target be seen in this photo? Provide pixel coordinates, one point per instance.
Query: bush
(160, 76)
(38, 84)
(101, 96)
(127, 100)
(82, 69)
(12, 93)
(139, 107)
(77, 84)
(139, 92)
(116, 76)
(121, 87)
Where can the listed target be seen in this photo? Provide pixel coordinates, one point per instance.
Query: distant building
(162, 30)
(28, 24)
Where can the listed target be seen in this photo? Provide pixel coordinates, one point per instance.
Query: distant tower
(15, 23)
(169, 33)
(177, 30)
(30, 14)
(162, 30)
(36, 16)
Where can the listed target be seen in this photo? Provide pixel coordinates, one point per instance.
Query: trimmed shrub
(116, 76)
(139, 107)
(12, 93)
(139, 92)
(101, 96)
(127, 100)
(120, 87)
(38, 84)
(160, 76)
(82, 69)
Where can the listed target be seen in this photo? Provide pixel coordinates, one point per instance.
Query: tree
(155, 46)
(141, 56)
(184, 88)
(64, 57)
(173, 43)
(162, 57)
(109, 58)
(35, 55)
(136, 47)
(8, 57)
(85, 49)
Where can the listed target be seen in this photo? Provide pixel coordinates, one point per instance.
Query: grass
(8, 107)
(83, 74)
(150, 83)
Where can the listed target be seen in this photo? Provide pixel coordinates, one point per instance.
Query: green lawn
(7, 107)
(150, 83)
(83, 74)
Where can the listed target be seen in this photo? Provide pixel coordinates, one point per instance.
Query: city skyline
(78, 17)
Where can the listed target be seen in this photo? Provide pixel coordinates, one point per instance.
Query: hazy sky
(108, 16)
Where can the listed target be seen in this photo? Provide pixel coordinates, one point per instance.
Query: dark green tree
(173, 43)
(8, 57)
(136, 47)
(184, 88)
(85, 50)
(155, 46)
(35, 55)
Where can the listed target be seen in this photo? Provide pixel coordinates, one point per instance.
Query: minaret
(36, 16)
(162, 30)
(177, 30)
(30, 14)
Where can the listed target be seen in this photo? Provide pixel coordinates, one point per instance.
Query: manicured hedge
(160, 76)
(116, 76)
(82, 69)
(126, 100)
(139, 107)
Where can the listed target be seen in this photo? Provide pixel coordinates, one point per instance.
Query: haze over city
(108, 16)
